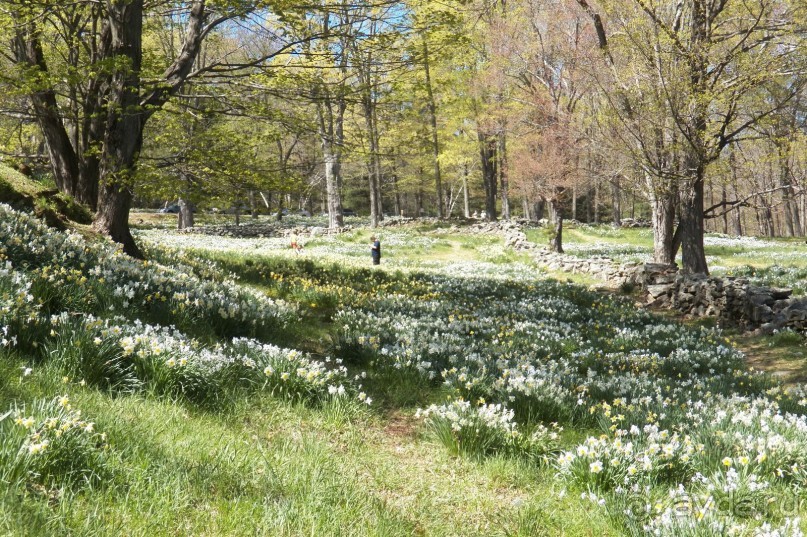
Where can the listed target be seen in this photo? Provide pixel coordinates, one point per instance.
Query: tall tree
(718, 62)
(94, 138)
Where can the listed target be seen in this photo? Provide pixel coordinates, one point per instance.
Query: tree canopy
(689, 112)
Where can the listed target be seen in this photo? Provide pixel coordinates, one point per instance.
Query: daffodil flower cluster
(295, 374)
(50, 442)
(676, 407)
(479, 429)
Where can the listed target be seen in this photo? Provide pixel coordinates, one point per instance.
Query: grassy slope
(268, 467)
(57, 209)
(11, 179)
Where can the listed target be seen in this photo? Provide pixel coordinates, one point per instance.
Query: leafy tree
(92, 88)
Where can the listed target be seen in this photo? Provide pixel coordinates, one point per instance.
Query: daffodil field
(234, 387)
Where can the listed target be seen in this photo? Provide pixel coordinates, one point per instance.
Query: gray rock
(656, 291)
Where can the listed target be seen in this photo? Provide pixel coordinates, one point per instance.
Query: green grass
(274, 468)
(16, 181)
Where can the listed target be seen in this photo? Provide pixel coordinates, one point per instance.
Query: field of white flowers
(636, 424)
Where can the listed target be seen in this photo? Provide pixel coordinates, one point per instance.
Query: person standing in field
(375, 250)
(296, 245)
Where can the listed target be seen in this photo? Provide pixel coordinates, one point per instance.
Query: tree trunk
(738, 222)
(663, 215)
(501, 154)
(253, 206)
(662, 195)
(185, 216)
(556, 242)
(616, 202)
(330, 131)
(791, 213)
(596, 202)
(64, 161)
(112, 217)
(487, 150)
(374, 162)
(333, 181)
(396, 194)
(538, 210)
(465, 197)
(86, 191)
(432, 106)
(124, 134)
(724, 200)
(693, 255)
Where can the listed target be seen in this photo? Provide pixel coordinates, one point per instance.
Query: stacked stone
(732, 300)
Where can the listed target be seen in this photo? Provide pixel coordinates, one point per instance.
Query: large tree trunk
(662, 194)
(663, 216)
(693, 255)
(124, 133)
(112, 217)
(64, 161)
(330, 116)
(185, 216)
(89, 178)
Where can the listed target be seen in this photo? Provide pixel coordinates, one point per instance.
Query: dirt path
(787, 363)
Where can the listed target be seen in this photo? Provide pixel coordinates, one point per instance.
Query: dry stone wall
(733, 301)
